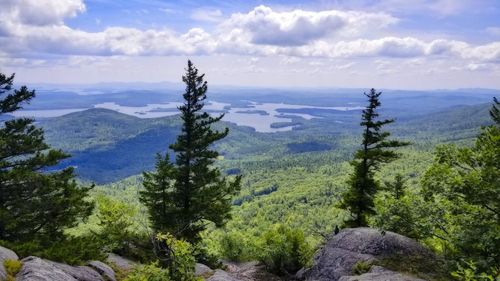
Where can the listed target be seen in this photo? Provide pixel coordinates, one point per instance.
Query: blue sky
(406, 44)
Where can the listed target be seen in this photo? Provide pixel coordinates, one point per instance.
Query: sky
(398, 44)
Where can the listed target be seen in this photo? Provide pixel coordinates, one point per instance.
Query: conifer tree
(193, 191)
(376, 149)
(495, 111)
(34, 204)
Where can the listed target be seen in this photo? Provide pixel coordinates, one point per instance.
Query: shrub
(284, 250)
(12, 267)
(151, 272)
(177, 255)
(233, 246)
(361, 267)
(70, 250)
(470, 272)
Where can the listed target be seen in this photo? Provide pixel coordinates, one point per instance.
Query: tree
(192, 192)
(35, 204)
(158, 192)
(465, 183)
(376, 150)
(495, 111)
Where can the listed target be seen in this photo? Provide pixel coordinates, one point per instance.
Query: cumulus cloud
(28, 28)
(264, 26)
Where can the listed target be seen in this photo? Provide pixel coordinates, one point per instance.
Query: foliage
(36, 204)
(199, 192)
(234, 246)
(400, 211)
(177, 255)
(361, 267)
(115, 219)
(12, 267)
(150, 272)
(284, 250)
(157, 194)
(70, 249)
(465, 184)
(376, 150)
(470, 272)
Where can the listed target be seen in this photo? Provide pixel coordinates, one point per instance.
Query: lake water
(248, 116)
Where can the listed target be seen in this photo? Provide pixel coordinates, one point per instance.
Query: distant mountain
(108, 146)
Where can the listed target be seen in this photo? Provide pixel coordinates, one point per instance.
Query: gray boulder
(36, 269)
(221, 275)
(121, 262)
(202, 270)
(6, 254)
(80, 273)
(391, 250)
(378, 273)
(103, 269)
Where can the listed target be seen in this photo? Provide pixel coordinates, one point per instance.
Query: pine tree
(495, 111)
(34, 204)
(193, 191)
(157, 195)
(376, 149)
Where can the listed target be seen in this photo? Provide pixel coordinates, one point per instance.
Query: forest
(191, 188)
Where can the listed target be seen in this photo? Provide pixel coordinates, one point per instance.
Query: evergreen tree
(193, 192)
(158, 193)
(495, 111)
(376, 149)
(34, 204)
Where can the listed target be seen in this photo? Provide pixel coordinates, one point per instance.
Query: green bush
(70, 250)
(151, 272)
(470, 272)
(284, 250)
(361, 267)
(12, 267)
(234, 246)
(178, 257)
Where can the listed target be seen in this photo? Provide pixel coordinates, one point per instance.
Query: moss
(421, 266)
(120, 273)
(12, 267)
(361, 267)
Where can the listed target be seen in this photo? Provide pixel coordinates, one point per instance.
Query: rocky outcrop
(221, 275)
(201, 270)
(37, 269)
(103, 269)
(395, 252)
(378, 273)
(121, 262)
(6, 254)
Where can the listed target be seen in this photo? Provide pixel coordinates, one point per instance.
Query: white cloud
(260, 32)
(207, 14)
(263, 26)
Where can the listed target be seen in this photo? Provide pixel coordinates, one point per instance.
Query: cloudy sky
(404, 44)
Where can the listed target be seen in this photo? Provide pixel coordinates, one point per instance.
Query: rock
(202, 270)
(103, 269)
(6, 254)
(350, 246)
(80, 273)
(221, 275)
(36, 269)
(378, 273)
(121, 262)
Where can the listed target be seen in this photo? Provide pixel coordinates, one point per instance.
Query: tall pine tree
(376, 149)
(34, 204)
(182, 198)
(495, 111)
